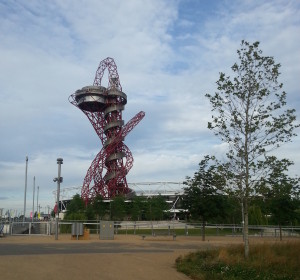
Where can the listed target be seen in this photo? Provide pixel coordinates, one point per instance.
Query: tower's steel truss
(103, 107)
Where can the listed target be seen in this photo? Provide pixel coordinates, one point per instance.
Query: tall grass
(266, 261)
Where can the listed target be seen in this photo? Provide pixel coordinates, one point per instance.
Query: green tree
(118, 208)
(250, 118)
(138, 207)
(280, 191)
(100, 207)
(156, 207)
(256, 216)
(258, 210)
(90, 212)
(232, 211)
(76, 209)
(201, 197)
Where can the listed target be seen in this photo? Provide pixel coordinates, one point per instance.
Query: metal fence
(28, 228)
(195, 229)
(148, 227)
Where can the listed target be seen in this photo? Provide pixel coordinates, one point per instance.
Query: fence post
(186, 230)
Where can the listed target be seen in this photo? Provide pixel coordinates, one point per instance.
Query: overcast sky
(169, 55)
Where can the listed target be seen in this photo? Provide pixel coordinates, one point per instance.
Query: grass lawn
(279, 260)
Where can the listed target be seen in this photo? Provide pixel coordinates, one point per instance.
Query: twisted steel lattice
(103, 107)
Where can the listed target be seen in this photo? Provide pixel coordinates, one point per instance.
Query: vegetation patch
(266, 261)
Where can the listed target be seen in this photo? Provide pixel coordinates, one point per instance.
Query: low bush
(266, 261)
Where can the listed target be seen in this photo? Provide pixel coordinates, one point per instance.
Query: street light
(25, 189)
(32, 218)
(37, 202)
(59, 180)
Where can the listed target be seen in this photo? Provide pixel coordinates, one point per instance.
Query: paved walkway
(125, 257)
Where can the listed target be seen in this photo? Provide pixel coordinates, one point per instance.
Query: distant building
(170, 191)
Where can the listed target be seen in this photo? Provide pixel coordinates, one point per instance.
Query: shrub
(266, 261)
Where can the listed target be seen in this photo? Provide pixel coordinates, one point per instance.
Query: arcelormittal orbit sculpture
(103, 107)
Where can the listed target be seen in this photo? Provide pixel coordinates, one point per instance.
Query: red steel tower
(103, 107)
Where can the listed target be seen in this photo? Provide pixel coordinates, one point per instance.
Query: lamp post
(59, 179)
(25, 190)
(33, 199)
(48, 206)
(37, 202)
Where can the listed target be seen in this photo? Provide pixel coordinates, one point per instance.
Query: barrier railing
(188, 229)
(148, 227)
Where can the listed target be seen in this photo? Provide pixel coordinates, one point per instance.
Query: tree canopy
(202, 196)
(76, 209)
(280, 191)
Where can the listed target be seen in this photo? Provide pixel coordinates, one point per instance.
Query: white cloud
(162, 166)
(168, 55)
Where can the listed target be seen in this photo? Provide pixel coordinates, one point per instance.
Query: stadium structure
(170, 191)
(103, 107)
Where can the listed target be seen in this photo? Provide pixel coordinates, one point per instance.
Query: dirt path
(126, 257)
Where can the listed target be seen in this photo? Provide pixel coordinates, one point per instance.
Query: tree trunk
(280, 232)
(246, 230)
(203, 230)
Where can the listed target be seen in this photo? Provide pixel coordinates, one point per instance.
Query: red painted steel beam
(103, 107)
